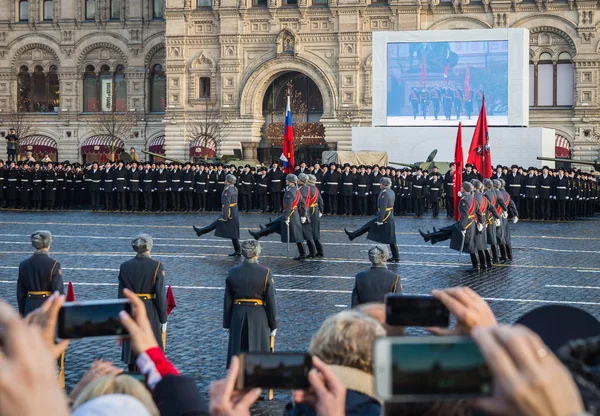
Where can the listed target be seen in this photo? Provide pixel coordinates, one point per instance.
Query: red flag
(423, 71)
(468, 84)
(480, 155)
(70, 293)
(459, 163)
(170, 300)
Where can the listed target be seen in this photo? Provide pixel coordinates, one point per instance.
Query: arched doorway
(306, 105)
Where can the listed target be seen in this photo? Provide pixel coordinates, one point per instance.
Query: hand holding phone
(92, 319)
(413, 310)
(284, 370)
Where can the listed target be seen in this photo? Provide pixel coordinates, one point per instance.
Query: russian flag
(288, 141)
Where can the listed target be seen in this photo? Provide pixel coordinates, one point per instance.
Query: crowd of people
(539, 194)
(531, 377)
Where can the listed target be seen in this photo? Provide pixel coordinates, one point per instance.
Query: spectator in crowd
(146, 278)
(39, 275)
(11, 146)
(134, 155)
(372, 285)
(29, 158)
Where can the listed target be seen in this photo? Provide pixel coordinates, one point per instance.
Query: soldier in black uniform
(468, 175)
(249, 307)
(12, 185)
(276, 178)
(228, 224)
(262, 189)
(531, 192)
(3, 173)
(435, 192)
(50, 187)
(134, 178)
(449, 190)
(372, 285)
(25, 176)
(545, 182)
(201, 187)
(146, 278)
(361, 190)
(39, 275)
(95, 177)
(212, 188)
(514, 185)
(161, 178)
(60, 186)
(108, 183)
(414, 101)
(331, 184)
(247, 183)
(37, 187)
(176, 187)
(120, 175)
(382, 228)
(560, 193)
(70, 187)
(148, 186)
(347, 185)
(418, 185)
(187, 185)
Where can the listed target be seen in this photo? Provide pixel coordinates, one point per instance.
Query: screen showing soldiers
(440, 83)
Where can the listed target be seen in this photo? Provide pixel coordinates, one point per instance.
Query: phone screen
(276, 370)
(409, 310)
(92, 319)
(448, 367)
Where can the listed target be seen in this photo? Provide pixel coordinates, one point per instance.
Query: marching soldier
(187, 185)
(120, 175)
(372, 285)
(161, 178)
(489, 214)
(39, 275)
(436, 97)
(228, 224)
(306, 197)
(509, 208)
(148, 186)
(347, 184)
(469, 104)
(458, 102)
(447, 101)
(414, 101)
(249, 307)
(133, 182)
(382, 228)
(424, 98)
(146, 278)
(494, 223)
(315, 211)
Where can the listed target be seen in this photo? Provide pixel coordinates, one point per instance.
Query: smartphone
(283, 370)
(99, 318)
(413, 310)
(417, 369)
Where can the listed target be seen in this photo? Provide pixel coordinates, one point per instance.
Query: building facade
(238, 59)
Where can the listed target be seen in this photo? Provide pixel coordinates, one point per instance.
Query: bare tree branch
(21, 122)
(113, 125)
(210, 125)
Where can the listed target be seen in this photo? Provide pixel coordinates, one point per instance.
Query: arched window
(158, 11)
(23, 11)
(158, 89)
(53, 90)
(115, 9)
(40, 90)
(48, 10)
(204, 3)
(24, 85)
(105, 91)
(90, 9)
(551, 81)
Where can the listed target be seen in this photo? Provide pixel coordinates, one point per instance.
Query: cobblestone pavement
(554, 263)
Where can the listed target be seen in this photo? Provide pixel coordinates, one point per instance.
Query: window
(48, 10)
(315, 2)
(551, 82)
(90, 9)
(291, 2)
(115, 9)
(204, 3)
(382, 1)
(23, 11)
(53, 90)
(259, 2)
(204, 87)
(158, 89)
(38, 91)
(105, 91)
(158, 9)
(24, 86)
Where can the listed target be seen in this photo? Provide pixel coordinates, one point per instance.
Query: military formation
(444, 102)
(541, 194)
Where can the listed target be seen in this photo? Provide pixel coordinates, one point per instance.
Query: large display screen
(438, 78)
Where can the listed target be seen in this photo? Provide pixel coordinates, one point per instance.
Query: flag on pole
(480, 154)
(468, 84)
(447, 68)
(70, 293)
(288, 141)
(170, 300)
(459, 163)
(423, 70)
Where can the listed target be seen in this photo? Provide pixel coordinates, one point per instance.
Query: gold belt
(257, 302)
(146, 295)
(39, 293)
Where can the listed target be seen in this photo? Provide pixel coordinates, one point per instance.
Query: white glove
(505, 215)
(379, 223)
(287, 222)
(567, 198)
(497, 222)
(273, 332)
(480, 227)
(222, 219)
(320, 214)
(163, 327)
(464, 232)
(355, 193)
(303, 219)
(515, 220)
(537, 196)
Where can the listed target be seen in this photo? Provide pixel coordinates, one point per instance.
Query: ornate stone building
(238, 59)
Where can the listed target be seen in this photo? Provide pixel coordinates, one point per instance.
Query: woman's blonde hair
(117, 384)
(346, 339)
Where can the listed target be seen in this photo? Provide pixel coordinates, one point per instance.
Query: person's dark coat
(386, 232)
(292, 209)
(95, 177)
(469, 216)
(249, 323)
(491, 230)
(108, 180)
(38, 185)
(512, 211)
(145, 276)
(229, 226)
(179, 395)
(133, 179)
(483, 206)
(372, 285)
(306, 193)
(315, 207)
(39, 273)
(120, 179)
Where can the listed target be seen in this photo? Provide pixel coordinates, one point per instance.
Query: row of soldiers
(436, 98)
(345, 189)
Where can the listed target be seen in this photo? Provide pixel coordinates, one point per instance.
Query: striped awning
(37, 144)
(157, 145)
(562, 147)
(203, 147)
(102, 145)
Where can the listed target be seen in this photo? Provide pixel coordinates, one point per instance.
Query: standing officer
(247, 183)
(39, 275)
(94, 176)
(60, 186)
(148, 186)
(262, 189)
(435, 191)
(331, 182)
(374, 189)
(162, 178)
(25, 176)
(187, 186)
(348, 179)
(418, 185)
(560, 193)
(201, 187)
(120, 184)
(228, 224)
(382, 228)
(372, 285)
(37, 187)
(275, 186)
(107, 179)
(449, 190)
(514, 184)
(11, 146)
(361, 190)
(249, 307)
(531, 192)
(146, 278)
(176, 187)
(50, 187)
(133, 181)
(545, 182)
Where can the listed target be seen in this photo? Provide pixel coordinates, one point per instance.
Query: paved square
(554, 263)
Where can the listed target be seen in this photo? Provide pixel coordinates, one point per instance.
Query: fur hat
(303, 177)
(387, 182)
(230, 178)
(467, 186)
(41, 239)
(291, 178)
(496, 183)
(378, 255)
(312, 179)
(250, 248)
(141, 243)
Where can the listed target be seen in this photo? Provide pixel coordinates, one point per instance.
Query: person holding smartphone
(249, 308)
(39, 275)
(146, 278)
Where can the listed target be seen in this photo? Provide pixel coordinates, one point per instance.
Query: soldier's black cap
(425, 171)
(468, 165)
(303, 162)
(559, 324)
(499, 166)
(451, 164)
(275, 162)
(346, 164)
(263, 169)
(561, 168)
(545, 167)
(434, 167)
(514, 167)
(247, 166)
(332, 164)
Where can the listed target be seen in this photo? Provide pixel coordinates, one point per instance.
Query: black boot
(474, 262)
(426, 237)
(395, 255)
(264, 231)
(509, 252)
(488, 258)
(352, 235)
(495, 254)
(237, 251)
(312, 251)
(301, 252)
(481, 257)
(319, 248)
(502, 253)
(199, 231)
